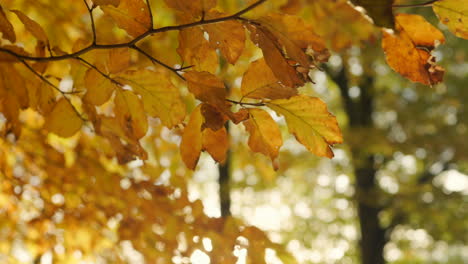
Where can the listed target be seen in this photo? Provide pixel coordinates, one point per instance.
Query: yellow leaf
(6, 27)
(160, 97)
(98, 88)
(191, 144)
(131, 115)
(216, 143)
(63, 120)
(228, 36)
(310, 122)
(265, 136)
(119, 60)
(42, 97)
(259, 82)
(195, 50)
(32, 26)
(404, 53)
(130, 15)
(453, 13)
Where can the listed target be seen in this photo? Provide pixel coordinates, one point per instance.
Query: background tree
(91, 170)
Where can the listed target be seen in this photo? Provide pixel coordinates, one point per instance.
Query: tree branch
(93, 25)
(428, 3)
(154, 60)
(150, 14)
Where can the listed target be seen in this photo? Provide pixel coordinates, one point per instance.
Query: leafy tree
(89, 91)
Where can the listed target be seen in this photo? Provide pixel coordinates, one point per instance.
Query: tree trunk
(224, 184)
(359, 112)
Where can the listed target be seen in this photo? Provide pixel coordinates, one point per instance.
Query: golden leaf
(131, 115)
(32, 26)
(265, 136)
(191, 144)
(106, 2)
(453, 13)
(195, 50)
(216, 143)
(63, 120)
(310, 122)
(98, 88)
(6, 27)
(259, 82)
(408, 51)
(130, 15)
(228, 36)
(160, 97)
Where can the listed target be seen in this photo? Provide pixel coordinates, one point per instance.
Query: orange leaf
(195, 50)
(408, 51)
(106, 2)
(265, 136)
(216, 143)
(130, 15)
(192, 7)
(6, 27)
(310, 122)
(228, 36)
(259, 82)
(191, 144)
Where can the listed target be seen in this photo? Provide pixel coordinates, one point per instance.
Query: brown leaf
(106, 2)
(213, 118)
(408, 51)
(259, 82)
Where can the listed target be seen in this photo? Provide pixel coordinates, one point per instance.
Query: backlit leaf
(216, 143)
(130, 15)
(131, 114)
(191, 144)
(265, 136)
(32, 26)
(6, 27)
(228, 36)
(160, 97)
(453, 13)
(98, 88)
(408, 51)
(310, 122)
(195, 50)
(259, 82)
(63, 120)
(380, 11)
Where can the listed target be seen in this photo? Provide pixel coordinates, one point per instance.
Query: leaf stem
(242, 103)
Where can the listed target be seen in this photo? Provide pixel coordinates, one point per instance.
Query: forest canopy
(108, 106)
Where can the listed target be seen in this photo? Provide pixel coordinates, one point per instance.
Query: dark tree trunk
(359, 112)
(224, 184)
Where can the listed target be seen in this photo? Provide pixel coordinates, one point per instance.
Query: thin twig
(150, 14)
(428, 3)
(242, 103)
(90, 65)
(154, 60)
(93, 25)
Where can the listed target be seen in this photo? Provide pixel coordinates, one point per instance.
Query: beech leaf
(408, 51)
(191, 144)
(130, 15)
(6, 27)
(131, 114)
(310, 122)
(32, 26)
(63, 120)
(216, 143)
(453, 13)
(265, 136)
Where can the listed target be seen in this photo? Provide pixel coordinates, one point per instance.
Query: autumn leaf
(213, 118)
(408, 51)
(310, 122)
(191, 144)
(453, 13)
(228, 36)
(63, 120)
(98, 88)
(32, 26)
(106, 2)
(195, 50)
(216, 143)
(193, 8)
(380, 11)
(265, 136)
(130, 15)
(131, 115)
(260, 82)
(159, 95)
(6, 27)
